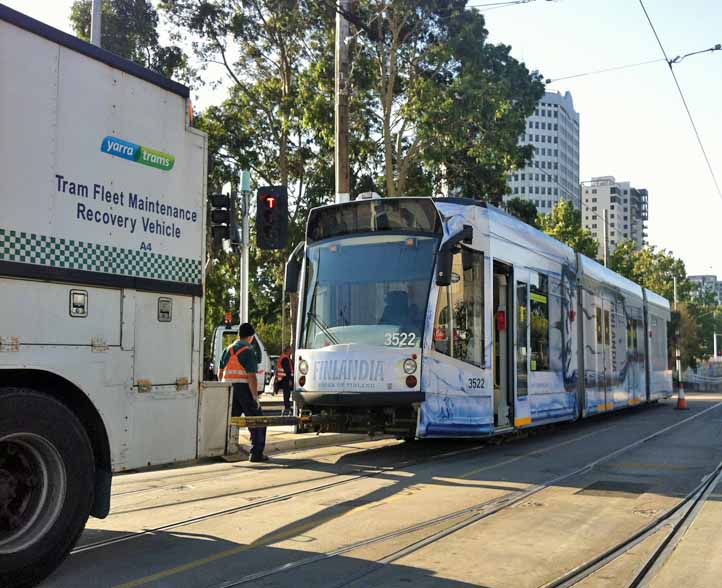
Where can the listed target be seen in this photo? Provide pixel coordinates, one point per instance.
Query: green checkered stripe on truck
(107, 259)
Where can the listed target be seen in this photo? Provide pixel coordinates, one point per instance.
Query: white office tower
(627, 211)
(553, 130)
(707, 284)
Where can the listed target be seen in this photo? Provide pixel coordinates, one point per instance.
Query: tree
(697, 318)
(277, 120)
(653, 269)
(451, 106)
(130, 29)
(523, 209)
(690, 339)
(278, 117)
(564, 223)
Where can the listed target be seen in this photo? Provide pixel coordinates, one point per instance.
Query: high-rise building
(553, 130)
(626, 211)
(707, 284)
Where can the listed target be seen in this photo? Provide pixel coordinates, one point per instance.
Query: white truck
(102, 242)
(223, 336)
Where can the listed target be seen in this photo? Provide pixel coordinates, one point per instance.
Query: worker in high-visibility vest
(239, 365)
(284, 377)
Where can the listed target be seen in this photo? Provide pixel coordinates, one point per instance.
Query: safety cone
(681, 400)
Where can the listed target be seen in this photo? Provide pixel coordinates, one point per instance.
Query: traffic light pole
(245, 245)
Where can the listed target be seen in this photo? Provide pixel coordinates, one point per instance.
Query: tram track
(679, 518)
(476, 513)
(270, 500)
(215, 475)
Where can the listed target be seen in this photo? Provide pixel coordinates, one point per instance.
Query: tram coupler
(304, 420)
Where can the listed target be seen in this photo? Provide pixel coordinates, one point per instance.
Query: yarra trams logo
(138, 153)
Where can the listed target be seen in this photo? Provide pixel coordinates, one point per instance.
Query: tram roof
(660, 302)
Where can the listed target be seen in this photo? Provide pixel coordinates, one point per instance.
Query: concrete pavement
(360, 514)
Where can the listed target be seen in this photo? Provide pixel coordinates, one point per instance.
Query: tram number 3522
(399, 339)
(475, 383)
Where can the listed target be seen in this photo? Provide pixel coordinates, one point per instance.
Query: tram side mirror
(445, 257)
(293, 270)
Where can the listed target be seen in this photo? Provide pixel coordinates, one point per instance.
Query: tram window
(459, 322)
(629, 334)
(539, 302)
(441, 323)
(632, 342)
(599, 326)
(606, 327)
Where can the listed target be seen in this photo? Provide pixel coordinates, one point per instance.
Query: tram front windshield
(370, 289)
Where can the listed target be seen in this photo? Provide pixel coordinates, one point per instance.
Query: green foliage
(129, 28)
(430, 100)
(451, 106)
(523, 209)
(565, 224)
(698, 316)
(652, 268)
(684, 331)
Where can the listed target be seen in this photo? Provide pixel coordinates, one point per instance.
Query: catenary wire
(684, 100)
(604, 70)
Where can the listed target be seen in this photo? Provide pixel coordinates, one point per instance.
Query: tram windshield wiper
(323, 326)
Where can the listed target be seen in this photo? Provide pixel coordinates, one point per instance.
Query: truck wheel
(46, 485)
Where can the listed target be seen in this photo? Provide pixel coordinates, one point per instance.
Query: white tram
(446, 318)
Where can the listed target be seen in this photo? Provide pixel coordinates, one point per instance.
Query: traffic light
(224, 222)
(271, 217)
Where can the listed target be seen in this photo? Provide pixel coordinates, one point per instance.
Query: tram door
(503, 313)
(604, 338)
(522, 414)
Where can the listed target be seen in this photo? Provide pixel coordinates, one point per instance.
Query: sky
(632, 122)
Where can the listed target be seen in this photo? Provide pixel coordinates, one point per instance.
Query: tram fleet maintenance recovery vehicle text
(102, 242)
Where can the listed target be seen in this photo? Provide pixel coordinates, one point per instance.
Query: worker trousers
(244, 404)
(285, 387)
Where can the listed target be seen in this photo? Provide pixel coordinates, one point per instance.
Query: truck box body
(103, 200)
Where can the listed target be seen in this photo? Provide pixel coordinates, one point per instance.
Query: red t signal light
(271, 217)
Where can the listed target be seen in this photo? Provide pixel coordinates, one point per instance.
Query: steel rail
(476, 513)
(675, 516)
(271, 500)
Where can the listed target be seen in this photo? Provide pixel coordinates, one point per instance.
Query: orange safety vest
(234, 370)
(280, 372)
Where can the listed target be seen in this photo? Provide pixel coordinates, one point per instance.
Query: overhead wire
(684, 100)
(604, 70)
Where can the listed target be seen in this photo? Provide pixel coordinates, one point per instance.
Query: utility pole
(95, 22)
(245, 245)
(681, 400)
(714, 344)
(605, 236)
(341, 93)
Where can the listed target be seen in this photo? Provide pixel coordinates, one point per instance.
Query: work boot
(258, 458)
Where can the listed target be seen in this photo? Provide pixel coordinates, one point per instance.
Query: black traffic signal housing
(271, 217)
(224, 221)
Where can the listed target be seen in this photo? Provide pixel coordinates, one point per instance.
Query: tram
(446, 317)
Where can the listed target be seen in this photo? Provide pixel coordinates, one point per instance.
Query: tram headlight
(410, 366)
(303, 367)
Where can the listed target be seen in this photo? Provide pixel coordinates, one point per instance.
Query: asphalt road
(517, 512)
